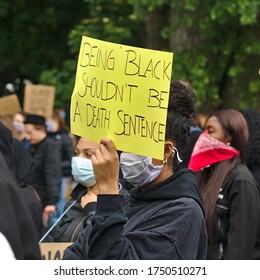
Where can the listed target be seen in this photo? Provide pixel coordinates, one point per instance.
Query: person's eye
(90, 152)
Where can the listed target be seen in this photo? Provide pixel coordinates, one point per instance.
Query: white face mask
(82, 171)
(138, 170)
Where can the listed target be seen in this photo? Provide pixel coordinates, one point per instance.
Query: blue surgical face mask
(138, 170)
(63, 114)
(49, 126)
(18, 127)
(82, 171)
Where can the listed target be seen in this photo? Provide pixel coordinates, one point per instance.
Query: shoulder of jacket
(241, 173)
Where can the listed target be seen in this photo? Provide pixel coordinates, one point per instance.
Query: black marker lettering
(97, 116)
(138, 125)
(157, 99)
(93, 56)
(130, 58)
(77, 112)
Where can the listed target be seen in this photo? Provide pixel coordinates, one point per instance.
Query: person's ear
(168, 147)
(228, 140)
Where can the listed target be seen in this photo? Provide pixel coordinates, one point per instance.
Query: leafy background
(216, 44)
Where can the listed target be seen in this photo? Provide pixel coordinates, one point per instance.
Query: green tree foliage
(110, 20)
(216, 43)
(34, 36)
(217, 48)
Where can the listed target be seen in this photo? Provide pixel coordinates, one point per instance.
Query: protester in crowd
(251, 152)
(227, 187)
(80, 214)
(163, 218)
(45, 174)
(16, 224)
(18, 123)
(18, 160)
(58, 131)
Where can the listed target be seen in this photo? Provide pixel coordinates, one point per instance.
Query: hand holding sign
(106, 167)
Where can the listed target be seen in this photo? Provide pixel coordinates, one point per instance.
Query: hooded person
(163, 218)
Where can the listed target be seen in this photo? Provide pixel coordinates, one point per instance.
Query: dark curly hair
(181, 114)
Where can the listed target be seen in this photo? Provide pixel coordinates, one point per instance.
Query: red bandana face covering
(208, 151)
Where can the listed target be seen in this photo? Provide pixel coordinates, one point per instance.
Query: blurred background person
(58, 131)
(18, 123)
(45, 173)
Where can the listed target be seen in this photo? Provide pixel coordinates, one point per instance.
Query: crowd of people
(201, 201)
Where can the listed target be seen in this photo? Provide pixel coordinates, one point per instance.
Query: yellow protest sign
(121, 92)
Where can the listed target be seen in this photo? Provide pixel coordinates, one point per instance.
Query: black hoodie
(163, 221)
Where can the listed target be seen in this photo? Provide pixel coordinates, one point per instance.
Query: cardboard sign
(122, 93)
(39, 99)
(9, 105)
(53, 250)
